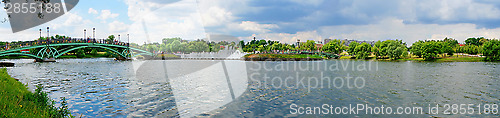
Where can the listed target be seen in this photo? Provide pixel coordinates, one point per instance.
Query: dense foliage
(16, 101)
(393, 49)
(352, 48)
(276, 46)
(177, 45)
(362, 51)
(491, 50)
(334, 46)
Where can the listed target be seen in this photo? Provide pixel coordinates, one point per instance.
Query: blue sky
(284, 20)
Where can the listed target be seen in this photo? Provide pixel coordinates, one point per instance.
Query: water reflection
(187, 88)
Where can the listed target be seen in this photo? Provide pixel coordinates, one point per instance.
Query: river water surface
(187, 88)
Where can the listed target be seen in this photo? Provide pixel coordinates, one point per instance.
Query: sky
(279, 20)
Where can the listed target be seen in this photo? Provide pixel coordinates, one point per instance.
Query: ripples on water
(108, 88)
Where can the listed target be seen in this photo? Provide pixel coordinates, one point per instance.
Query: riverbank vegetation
(428, 50)
(282, 57)
(16, 101)
(474, 49)
(177, 45)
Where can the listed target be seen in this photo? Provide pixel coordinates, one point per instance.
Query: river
(186, 88)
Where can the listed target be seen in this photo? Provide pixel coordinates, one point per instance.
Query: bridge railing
(59, 41)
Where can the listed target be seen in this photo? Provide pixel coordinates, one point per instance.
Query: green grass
(461, 59)
(446, 59)
(283, 56)
(168, 55)
(16, 101)
(456, 58)
(346, 57)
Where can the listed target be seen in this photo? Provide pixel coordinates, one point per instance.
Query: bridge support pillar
(45, 60)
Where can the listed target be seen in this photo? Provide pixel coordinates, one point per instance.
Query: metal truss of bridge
(53, 51)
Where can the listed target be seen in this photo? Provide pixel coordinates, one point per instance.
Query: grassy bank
(448, 59)
(168, 55)
(284, 57)
(442, 59)
(16, 101)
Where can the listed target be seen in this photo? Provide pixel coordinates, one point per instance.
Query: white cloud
(309, 2)
(188, 19)
(92, 11)
(179, 19)
(26, 35)
(286, 37)
(138, 8)
(73, 19)
(234, 6)
(396, 29)
(106, 14)
(452, 10)
(256, 27)
(216, 16)
(386, 29)
(117, 27)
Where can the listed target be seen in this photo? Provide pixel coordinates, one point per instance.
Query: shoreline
(282, 57)
(29, 104)
(276, 57)
(412, 59)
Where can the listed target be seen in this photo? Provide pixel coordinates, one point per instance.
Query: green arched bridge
(53, 51)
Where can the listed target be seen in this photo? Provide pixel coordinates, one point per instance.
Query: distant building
(319, 45)
(347, 42)
(326, 41)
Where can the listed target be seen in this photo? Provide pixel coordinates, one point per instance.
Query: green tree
(152, 48)
(416, 48)
(310, 45)
(491, 49)
(476, 41)
(80, 53)
(334, 46)
(471, 49)
(94, 51)
(376, 49)
(362, 50)
(261, 48)
(431, 49)
(352, 47)
(447, 49)
(395, 49)
(110, 39)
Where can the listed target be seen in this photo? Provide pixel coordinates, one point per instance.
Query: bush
(17, 102)
(491, 50)
(80, 53)
(42, 100)
(362, 51)
(431, 49)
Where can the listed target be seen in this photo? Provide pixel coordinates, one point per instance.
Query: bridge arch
(21, 54)
(55, 53)
(88, 46)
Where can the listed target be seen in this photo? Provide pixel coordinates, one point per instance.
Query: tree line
(177, 45)
(389, 49)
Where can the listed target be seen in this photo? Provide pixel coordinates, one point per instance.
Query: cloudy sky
(284, 20)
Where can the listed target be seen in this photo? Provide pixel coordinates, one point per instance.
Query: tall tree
(362, 50)
(431, 49)
(417, 48)
(334, 46)
(491, 50)
(352, 47)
